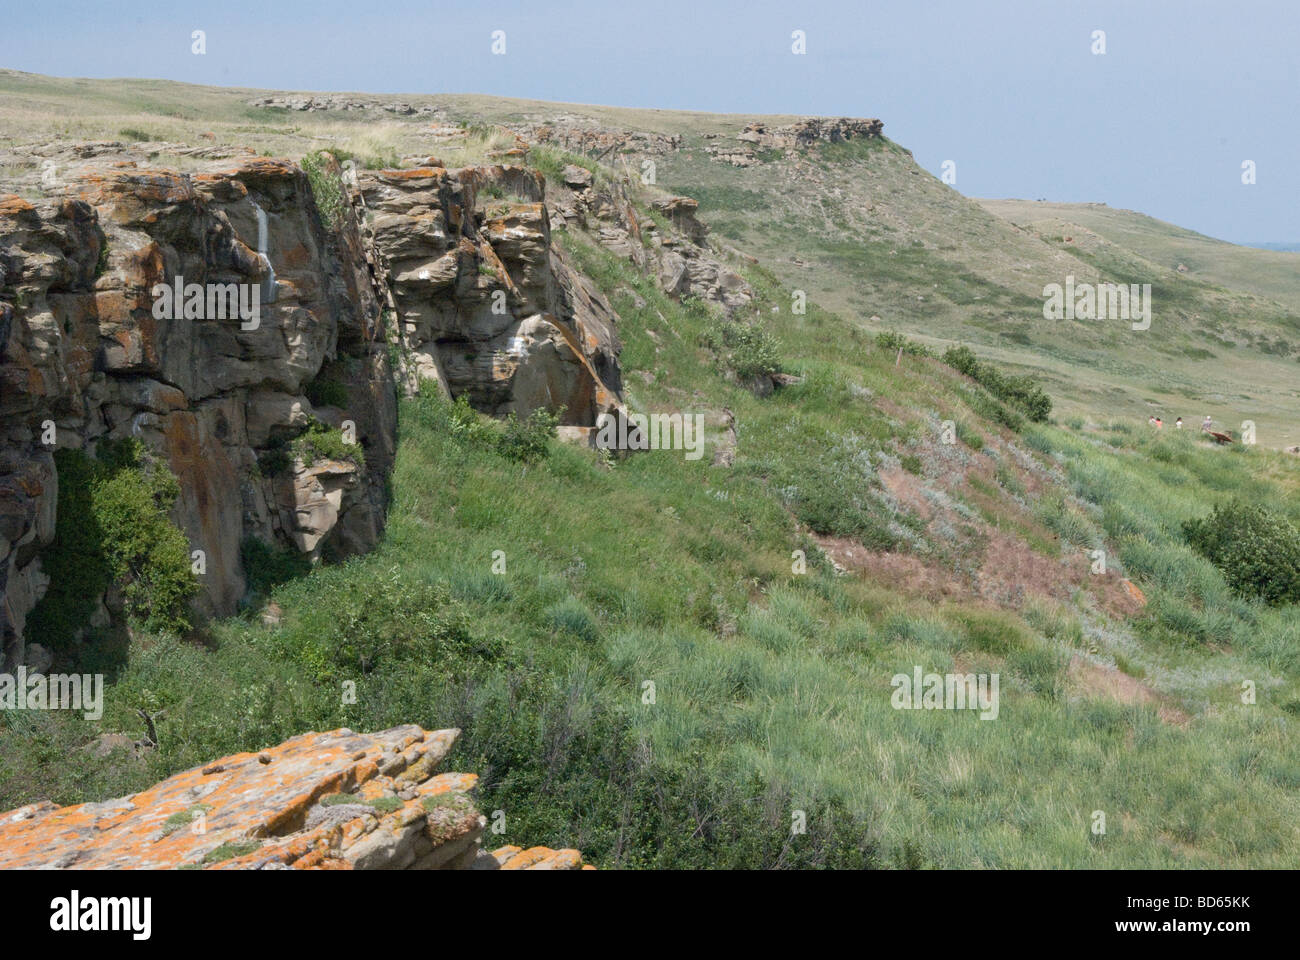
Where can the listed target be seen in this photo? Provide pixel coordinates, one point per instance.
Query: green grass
(326, 188)
(230, 850)
(322, 442)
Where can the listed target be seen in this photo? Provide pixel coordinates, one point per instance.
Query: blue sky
(1009, 90)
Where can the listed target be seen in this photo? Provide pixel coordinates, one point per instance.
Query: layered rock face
(462, 261)
(486, 305)
(805, 132)
(89, 351)
(793, 136)
(320, 801)
(680, 259)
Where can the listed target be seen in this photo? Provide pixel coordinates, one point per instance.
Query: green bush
(529, 440)
(893, 341)
(362, 623)
(746, 348)
(113, 528)
(1021, 392)
(837, 511)
(523, 441)
(326, 187)
(322, 442)
(324, 392)
(266, 566)
(1257, 550)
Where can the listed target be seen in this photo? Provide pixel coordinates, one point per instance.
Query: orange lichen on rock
(539, 858)
(336, 800)
(11, 205)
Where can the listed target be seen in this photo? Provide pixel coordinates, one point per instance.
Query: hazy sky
(1009, 90)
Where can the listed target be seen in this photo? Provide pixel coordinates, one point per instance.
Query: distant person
(1151, 420)
(1159, 423)
(1179, 423)
(1206, 425)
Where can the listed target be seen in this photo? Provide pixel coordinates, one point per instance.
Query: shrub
(324, 392)
(326, 187)
(458, 418)
(113, 528)
(1021, 392)
(893, 341)
(1257, 550)
(529, 440)
(322, 442)
(523, 441)
(834, 511)
(368, 622)
(266, 566)
(745, 347)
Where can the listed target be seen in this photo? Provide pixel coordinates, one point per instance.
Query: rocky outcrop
(805, 132)
(316, 102)
(792, 136)
(320, 801)
(680, 258)
(454, 268)
(486, 305)
(93, 348)
(586, 136)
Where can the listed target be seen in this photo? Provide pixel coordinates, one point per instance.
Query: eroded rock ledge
(373, 283)
(453, 268)
(320, 801)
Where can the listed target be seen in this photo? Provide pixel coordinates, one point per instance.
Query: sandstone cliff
(486, 305)
(367, 286)
(371, 284)
(84, 350)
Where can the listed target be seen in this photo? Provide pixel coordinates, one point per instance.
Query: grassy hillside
(1274, 274)
(653, 679)
(872, 236)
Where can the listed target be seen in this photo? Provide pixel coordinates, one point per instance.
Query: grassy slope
(1269, 273)
(772, 689)
(869, 234)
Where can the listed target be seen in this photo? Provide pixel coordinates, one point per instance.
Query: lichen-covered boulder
(336, 800)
